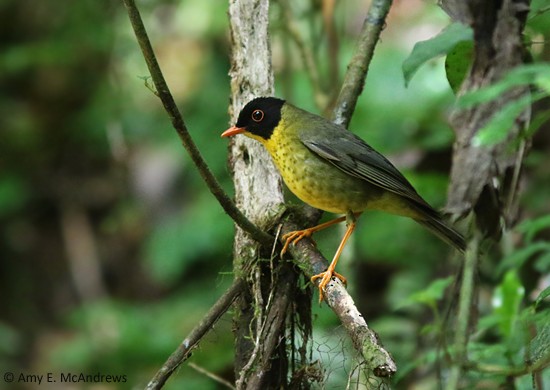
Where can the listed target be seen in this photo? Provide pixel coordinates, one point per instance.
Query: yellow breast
(320, 184)
(312, 179)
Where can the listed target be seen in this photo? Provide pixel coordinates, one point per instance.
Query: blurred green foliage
(83, 135)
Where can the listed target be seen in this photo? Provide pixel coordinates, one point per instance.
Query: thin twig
(354, 80)
(177, 121)
(328, 7)
(183, 352)
(308, 58)
(211, 375)
(464, 310)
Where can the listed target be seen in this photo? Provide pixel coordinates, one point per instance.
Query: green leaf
(542, 264)
(497, 128)
(539, 16)
(507, 301)
(517, 258)
(539, 347)
(522, 75)
(542, 81)
(531, 227)
(457, 63)
(431, 294)
(439, 45)
(542, 296)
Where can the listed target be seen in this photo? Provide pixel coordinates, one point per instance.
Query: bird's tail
(438, 227)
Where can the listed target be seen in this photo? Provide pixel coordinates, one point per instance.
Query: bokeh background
(111, 247)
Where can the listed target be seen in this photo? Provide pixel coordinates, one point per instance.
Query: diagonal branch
(183, 352)
(337, 297)
(178, 123)
(354, 80)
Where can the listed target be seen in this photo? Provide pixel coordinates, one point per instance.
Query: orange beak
(233, 131)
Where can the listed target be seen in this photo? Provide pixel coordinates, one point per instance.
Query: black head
(260, 116)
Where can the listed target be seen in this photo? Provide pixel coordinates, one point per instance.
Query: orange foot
(325, 279)
(295, 236)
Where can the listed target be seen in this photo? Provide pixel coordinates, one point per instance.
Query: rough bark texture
(481, 176)
(261, 310)
(258, 185)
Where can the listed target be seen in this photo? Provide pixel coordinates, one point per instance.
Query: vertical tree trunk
(484, 179)
(260, 314)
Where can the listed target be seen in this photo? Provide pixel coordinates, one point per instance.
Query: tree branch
(308, 58)
(183, 352)
(273, 324)
(337, 297)
(464, 310)
(178, 123)
(354, 80)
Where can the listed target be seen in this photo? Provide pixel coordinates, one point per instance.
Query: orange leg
(297, 235)
(294, 237)
(327, 275)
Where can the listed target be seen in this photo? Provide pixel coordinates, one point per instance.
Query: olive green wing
(355, 157)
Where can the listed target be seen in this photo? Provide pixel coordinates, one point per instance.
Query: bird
(330, 168)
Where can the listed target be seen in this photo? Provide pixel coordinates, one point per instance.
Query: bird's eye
(257, 115)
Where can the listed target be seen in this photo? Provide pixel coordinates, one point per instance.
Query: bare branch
(178, 123)
(354, 80)
(332, 43)
(212, 376)
(183, 352)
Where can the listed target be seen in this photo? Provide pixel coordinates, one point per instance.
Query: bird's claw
(294, 237)
(325, 279)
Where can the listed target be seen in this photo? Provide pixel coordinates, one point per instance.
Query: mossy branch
(365, 341)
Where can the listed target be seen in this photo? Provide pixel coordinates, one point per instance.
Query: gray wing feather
(355, 157)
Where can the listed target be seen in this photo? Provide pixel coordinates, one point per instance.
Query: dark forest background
(111, 246)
